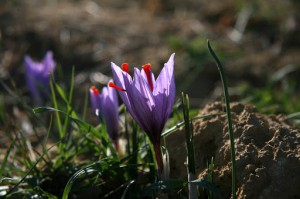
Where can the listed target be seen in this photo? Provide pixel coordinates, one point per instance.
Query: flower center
(125, 67)
(147, 70)
(95, 90)
(111, 84)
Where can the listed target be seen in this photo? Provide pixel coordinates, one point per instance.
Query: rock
(267, 152)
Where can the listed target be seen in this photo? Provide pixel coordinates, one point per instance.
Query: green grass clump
(73, 158)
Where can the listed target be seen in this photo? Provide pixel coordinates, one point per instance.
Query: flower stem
(159, 160)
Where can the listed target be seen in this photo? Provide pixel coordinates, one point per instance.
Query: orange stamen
(95, 90)
(125, 67)
(111, 84)
(147, 70)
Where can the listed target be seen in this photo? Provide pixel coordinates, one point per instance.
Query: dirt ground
(267, 152)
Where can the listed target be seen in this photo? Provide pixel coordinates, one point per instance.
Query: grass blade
(127, 188)
(59, 125)
(189, 146)
(230, 130)
(99, 167)
(84, 171)
(6, 157)
(81, 124)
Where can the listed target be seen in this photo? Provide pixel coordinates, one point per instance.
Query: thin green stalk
(6, 157)
(153, 165)
(106, 142)
(20, 141)
(230, 130)
(47, 136)
(69, 108)
(188, 135)
(190, 146)
(59, 125)
(72, 85)
(86, 98)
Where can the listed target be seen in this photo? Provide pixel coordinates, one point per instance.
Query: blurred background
(257, 42)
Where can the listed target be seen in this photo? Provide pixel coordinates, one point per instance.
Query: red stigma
(147, 70)
(111, 84)
(95, 90)
(125, 67)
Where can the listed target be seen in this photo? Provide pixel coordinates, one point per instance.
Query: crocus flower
(37, 75)
(148, 100)
(107, 105)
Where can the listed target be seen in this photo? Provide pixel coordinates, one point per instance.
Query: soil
(267, 152)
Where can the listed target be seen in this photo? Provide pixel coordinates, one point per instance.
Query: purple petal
(95, 101)
(49, 64)
(28, 62)
(113, 95)
(164, 93)
(32, 71)
(109, 110)
(119, 77)
(165, 81)
(141, 84)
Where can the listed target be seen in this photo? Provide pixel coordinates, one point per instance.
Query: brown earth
(267, 152)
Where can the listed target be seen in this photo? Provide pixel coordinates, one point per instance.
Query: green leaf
(81, 124)
(99, 167)
(42, 109)
(229, 119)
(126, 190)
(81, 172)
(5, 158)
(61, 93)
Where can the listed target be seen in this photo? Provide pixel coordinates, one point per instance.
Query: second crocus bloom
(106, 103)
(148, 100)
(37, 75)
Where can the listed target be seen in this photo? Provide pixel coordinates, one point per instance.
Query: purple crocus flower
(107, 104)
(149, 101)
(37, 75)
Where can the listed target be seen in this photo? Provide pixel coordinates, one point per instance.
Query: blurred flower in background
(37, 76)
(107, 105)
